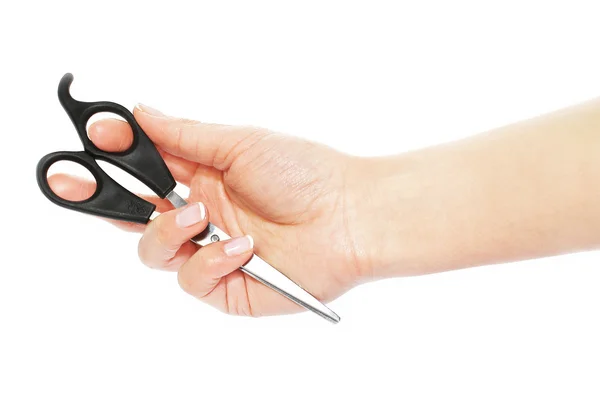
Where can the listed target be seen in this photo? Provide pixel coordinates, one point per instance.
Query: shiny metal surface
(176, 199)
(263, 272)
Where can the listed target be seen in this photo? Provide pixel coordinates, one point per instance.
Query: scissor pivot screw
(214, 238)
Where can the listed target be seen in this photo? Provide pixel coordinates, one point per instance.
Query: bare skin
(527, 190)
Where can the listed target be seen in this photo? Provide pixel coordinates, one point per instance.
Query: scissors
(142, 160)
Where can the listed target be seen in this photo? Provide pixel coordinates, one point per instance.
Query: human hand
(288, 194)
(330, 221)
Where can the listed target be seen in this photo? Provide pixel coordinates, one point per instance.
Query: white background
(81, 318)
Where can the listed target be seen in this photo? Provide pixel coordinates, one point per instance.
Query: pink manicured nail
(149, 110)
(190, 215)
(238, 246)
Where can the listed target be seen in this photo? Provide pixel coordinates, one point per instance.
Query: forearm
(522, 191)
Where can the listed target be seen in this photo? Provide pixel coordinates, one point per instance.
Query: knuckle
(242, 309)
(172, 264)
(229, 149)
(161, 232)
(176, 131)
(153, 246)
(181, 129)
(142, 253)
(208, 263)
(184, 281)
(185, 121)
(187, 279)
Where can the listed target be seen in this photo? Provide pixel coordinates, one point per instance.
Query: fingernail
(190, 215)
(149, 110)
(238, 246)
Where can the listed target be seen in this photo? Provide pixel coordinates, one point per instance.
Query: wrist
(401, 223)
(373, 189)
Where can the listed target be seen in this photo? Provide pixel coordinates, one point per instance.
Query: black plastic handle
(110, 199)
(141, 160)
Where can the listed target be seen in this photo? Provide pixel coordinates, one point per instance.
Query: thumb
(213, 145)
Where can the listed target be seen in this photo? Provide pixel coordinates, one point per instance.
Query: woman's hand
(289, 195)
(330, 221)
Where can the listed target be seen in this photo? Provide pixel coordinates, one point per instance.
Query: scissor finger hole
(71, 181)
(109, 132)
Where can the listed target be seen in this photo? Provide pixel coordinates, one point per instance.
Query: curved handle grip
(141, 160)
(110, 200)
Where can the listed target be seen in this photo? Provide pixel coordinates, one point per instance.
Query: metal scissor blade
(263, 272)
(260, 270)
